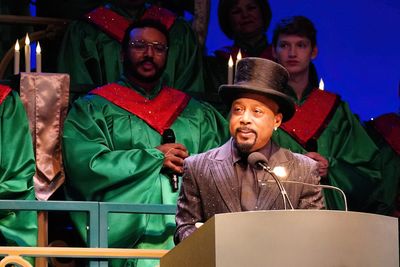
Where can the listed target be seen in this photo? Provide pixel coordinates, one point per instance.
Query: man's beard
(245, 148)
(131, 69)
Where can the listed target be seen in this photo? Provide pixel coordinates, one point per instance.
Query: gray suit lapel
(223, 173)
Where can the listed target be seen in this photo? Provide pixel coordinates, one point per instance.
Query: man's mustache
(245, 129)
(147, 60)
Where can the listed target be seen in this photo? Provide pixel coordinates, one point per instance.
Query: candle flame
(27, 41)
(239, 56)
(321, 84)
(16, 47)
(230, 62)
(38, 49)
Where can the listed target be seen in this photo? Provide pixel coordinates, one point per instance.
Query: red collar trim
(312, 117)
(388, 125)
(4, 91)
(109, 21)
(159, 112)
(165, 16)
(115, 25)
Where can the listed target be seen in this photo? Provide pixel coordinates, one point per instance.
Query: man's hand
(323, 163)
(174, 154)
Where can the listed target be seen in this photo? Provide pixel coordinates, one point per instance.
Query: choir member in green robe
(385, 131)
(324, 128)
(17, 167)
(114, 149)
(90, 52)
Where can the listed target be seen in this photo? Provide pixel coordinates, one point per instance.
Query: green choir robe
(110, 155)
(352, 155)
(17, 167)
(383, 199)
(91, 56)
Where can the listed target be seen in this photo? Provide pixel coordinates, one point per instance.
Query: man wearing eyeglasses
(91, 45)
(126, 141)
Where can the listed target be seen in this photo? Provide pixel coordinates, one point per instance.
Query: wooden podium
(290, 238)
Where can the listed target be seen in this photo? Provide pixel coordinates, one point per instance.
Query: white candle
(27, 54)
(321, 84)
(38, 58)
(16, 58)
(238, 58)
(230, 70)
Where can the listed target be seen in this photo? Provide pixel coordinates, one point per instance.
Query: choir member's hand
(174, 154)
(323, 163)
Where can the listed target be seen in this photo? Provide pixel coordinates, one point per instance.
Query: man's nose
(149, 50)
(244, 14)
(245, 118)
(292, 51)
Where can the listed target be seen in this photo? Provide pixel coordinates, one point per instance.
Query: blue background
(359, 48)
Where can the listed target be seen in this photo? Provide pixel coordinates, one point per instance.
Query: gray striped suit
(210, 186)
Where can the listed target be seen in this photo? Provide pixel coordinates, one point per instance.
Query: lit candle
(27, 54)
(321, 84)
(38, 58)
(16, 58)
(238, 58)
(230, 70)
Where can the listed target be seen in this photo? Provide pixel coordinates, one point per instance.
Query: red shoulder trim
(115, 25)
(4, 91)
(159, 112)
(166, 17)
(388, 125)
(109, 21)
(312, 117)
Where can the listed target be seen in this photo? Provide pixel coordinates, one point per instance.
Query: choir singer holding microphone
(249, 171)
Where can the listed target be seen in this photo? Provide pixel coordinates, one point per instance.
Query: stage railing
(97, 231)
(13, 255)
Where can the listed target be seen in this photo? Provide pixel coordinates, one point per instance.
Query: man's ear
(278, 120)
(314, 52)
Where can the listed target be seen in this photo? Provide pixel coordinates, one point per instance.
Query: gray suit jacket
(210, 186)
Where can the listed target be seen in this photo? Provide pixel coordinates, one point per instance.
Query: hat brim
(228, 93)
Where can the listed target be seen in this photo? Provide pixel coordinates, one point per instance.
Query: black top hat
(260, 76)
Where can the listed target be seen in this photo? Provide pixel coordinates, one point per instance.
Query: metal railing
(97, 213)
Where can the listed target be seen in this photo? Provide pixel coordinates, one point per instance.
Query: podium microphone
(168, 136)
(322, 186)
(259, 161)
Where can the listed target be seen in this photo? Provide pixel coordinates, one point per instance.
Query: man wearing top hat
(222, 180)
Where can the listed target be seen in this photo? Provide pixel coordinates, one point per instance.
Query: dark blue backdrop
(359, 52)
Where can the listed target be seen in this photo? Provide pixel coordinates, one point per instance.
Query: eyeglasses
(141, 46)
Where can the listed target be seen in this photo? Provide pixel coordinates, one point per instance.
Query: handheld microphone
(168, 136)
(257, 161)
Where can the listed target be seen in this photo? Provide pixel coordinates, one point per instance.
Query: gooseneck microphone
(324, 186)
(259, 161)
(168, 136)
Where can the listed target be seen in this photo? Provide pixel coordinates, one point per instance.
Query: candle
(16, 58)
(38, 58)
(321, 84)
(230, 70)
(238, 58)
(27, 54)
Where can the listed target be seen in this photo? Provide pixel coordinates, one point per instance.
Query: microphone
(168, 136)
(257, 161)
(321, 186)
